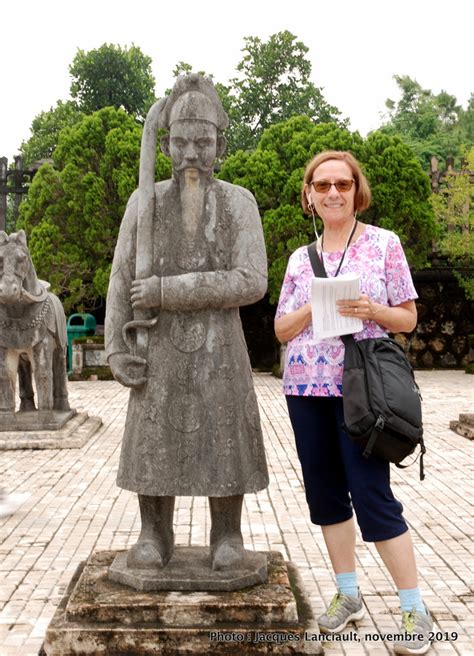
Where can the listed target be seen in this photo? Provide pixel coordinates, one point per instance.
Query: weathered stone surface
(458, 344)
(32, 334)
(86, 355)
(448, 360)
(35, 420)
(438, 345)
(447, 327)
(417, 344)
(190, 253)
(192, 425)
(94, 355)
(427, 359)
(445, 318)
(467, 418)
(96, 593)
(190, 569)
(98, 616)
(465, 425)
(73, 435)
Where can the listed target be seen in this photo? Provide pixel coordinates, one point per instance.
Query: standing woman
(337, 478)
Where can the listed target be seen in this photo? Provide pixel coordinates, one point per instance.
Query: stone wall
(445, 319)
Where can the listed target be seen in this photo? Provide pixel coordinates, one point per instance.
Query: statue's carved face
(14, 265)
(193, 144)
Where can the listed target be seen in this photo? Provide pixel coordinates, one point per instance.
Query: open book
(327, 322)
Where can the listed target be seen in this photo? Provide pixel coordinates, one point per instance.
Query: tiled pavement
(74, 508)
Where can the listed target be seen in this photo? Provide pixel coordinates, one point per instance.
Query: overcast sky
(355, 47)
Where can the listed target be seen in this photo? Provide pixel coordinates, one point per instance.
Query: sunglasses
(322, 186)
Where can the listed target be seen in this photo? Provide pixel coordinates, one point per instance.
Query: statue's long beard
(192, 194)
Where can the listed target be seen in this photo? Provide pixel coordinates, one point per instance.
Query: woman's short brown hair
(363, 195)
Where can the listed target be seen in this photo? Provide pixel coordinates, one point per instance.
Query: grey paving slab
(74, 507)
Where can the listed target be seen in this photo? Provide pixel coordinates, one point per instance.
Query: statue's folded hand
(128, 369)
(146, 293)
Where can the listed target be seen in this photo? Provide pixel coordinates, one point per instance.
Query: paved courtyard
(74, 508)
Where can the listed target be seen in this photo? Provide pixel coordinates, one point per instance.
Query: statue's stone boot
(227, 544)
(228, 553)
(61, 403)
(155, 544)
(146, 554)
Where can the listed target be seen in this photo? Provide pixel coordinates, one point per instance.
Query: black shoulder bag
(382, 402)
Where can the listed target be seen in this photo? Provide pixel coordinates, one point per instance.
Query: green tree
(45, 130)
(112, 76)
(454, 211)
(401, 195)
(272, 85)
(432, 124)
(73, 210)
(274, 173)
(466, 124)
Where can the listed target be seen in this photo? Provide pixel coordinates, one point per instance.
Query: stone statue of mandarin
(193, 425)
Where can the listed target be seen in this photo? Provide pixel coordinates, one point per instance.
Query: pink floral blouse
(315, 368)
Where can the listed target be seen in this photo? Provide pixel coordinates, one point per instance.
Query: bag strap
(420, 456)
(320, 272)
(318, 268)
(378, 428)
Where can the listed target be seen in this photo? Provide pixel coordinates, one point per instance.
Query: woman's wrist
(374, 309)
(396, 319)
(292, 324)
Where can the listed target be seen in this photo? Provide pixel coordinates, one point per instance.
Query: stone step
(73, 435)
(461, 428)
(467, 418)
(100, 616)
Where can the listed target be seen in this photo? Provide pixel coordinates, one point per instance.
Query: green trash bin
(78, 325)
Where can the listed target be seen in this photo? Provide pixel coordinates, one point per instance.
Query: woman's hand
(362, 308)
(397, 319)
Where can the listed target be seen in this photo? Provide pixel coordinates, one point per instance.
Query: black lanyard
(344, 253)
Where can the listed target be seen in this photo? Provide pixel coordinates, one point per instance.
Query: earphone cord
(345, 249)
(310, 205)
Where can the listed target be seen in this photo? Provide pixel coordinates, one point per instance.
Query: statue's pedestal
(48, 430)
(190, 570)
(100, 616)
(35, 420)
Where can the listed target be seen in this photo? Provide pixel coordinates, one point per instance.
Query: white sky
(355, 47)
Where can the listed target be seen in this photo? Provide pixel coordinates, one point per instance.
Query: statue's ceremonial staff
(146, 209)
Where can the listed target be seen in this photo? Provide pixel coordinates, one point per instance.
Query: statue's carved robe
(194, 428)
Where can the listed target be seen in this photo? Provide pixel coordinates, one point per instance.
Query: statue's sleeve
(246, 280)
(119, 308)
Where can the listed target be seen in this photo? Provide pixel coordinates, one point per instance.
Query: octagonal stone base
(100, 616)
(190, 569)
(35, 420)
(72, 433)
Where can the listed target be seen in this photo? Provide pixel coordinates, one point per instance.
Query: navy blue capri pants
(337, 477)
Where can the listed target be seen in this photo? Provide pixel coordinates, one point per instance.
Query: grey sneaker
(343, 609)
(416, 628)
